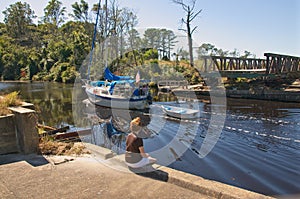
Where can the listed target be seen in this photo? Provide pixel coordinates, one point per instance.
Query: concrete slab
(84, 177)
(100, 151)
(21, 110)
(94, 176)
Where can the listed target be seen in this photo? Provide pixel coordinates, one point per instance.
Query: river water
(258, 147)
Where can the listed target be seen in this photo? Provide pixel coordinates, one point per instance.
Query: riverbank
(252, 90)
(92, 175)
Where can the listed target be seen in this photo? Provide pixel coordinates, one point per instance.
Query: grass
(9, 100)
(48, 146)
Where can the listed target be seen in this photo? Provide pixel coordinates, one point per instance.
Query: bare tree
(191, 14)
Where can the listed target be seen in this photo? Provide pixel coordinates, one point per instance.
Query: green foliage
(54, 50)
(44, 52)
(54, 13)
(207, 49)
(69, 75)
(151, 54)
(80, 11)
(18, 18)
(41, 76)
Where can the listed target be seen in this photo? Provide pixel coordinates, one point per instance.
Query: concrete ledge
(21, 110)
(28, 105)
(26, 131)
(208, 187)
(185, 180)
(100, 151)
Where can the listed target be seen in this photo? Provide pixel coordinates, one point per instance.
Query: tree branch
(184, 30)
(193, 4)
(193, 17)
(183, 21)
(194, 29)
(180, 2)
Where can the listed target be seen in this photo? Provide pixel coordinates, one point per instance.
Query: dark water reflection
(259, 147)
(53, 101)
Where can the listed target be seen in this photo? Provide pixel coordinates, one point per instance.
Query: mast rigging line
(94, 38)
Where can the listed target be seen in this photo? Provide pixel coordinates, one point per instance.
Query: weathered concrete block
(27, 133)
(28, 105)
(8, 141)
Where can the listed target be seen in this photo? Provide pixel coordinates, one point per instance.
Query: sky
(258, 26)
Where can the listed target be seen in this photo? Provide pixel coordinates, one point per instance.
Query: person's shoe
(152, 160)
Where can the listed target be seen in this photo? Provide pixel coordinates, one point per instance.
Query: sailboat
(115, 91)
(118, 92)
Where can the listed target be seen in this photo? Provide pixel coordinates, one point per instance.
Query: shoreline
(263, 94)
(259, 93)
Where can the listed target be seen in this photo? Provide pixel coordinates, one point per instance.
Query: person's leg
(142, 162)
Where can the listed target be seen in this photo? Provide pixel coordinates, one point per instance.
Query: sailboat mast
(106, 33)
(94, 38)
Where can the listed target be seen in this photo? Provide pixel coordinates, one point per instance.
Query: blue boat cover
(112, 86)
(110, 76)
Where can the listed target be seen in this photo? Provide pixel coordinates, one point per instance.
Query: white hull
(116, 101)
(181, 113)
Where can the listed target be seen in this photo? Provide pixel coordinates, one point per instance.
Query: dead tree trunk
(191, 14)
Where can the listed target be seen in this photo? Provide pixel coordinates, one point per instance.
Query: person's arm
(142, 151)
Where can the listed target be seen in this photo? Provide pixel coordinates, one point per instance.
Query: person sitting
(135, 156)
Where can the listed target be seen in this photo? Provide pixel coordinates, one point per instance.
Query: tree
(113, 30)
(80, 11)
(183, 54)
(161, 39)
(234, 53)
(54, 50)
(134, 40)
(205, 49)
(191, 14)
(18, 17)
(78, 39)
(54, 13)
(168, 42)
(247, 54)
(152, 38)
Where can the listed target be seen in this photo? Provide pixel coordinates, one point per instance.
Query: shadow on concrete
(150, 172)
(33, 159)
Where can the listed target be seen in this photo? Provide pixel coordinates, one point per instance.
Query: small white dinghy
(179, 112)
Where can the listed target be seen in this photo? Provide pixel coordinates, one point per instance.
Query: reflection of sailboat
(120, 119)
(110, 126)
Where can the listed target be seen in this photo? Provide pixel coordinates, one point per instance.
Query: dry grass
(11, 99)
(48, 146)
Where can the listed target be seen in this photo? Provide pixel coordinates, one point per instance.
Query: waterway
(257, 147)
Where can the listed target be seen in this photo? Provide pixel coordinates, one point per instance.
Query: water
(53, 101)
(258, 148)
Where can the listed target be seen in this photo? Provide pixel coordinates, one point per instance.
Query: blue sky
(257, 26)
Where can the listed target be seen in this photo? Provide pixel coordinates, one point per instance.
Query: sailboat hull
(116, 101)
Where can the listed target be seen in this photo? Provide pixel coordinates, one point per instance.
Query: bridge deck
(262, 70)
(244, 73)
(237, 66)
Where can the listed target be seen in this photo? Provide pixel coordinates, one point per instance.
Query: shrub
(11, 99)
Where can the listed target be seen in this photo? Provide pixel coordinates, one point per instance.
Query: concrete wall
(8, 139)
(18, 132)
